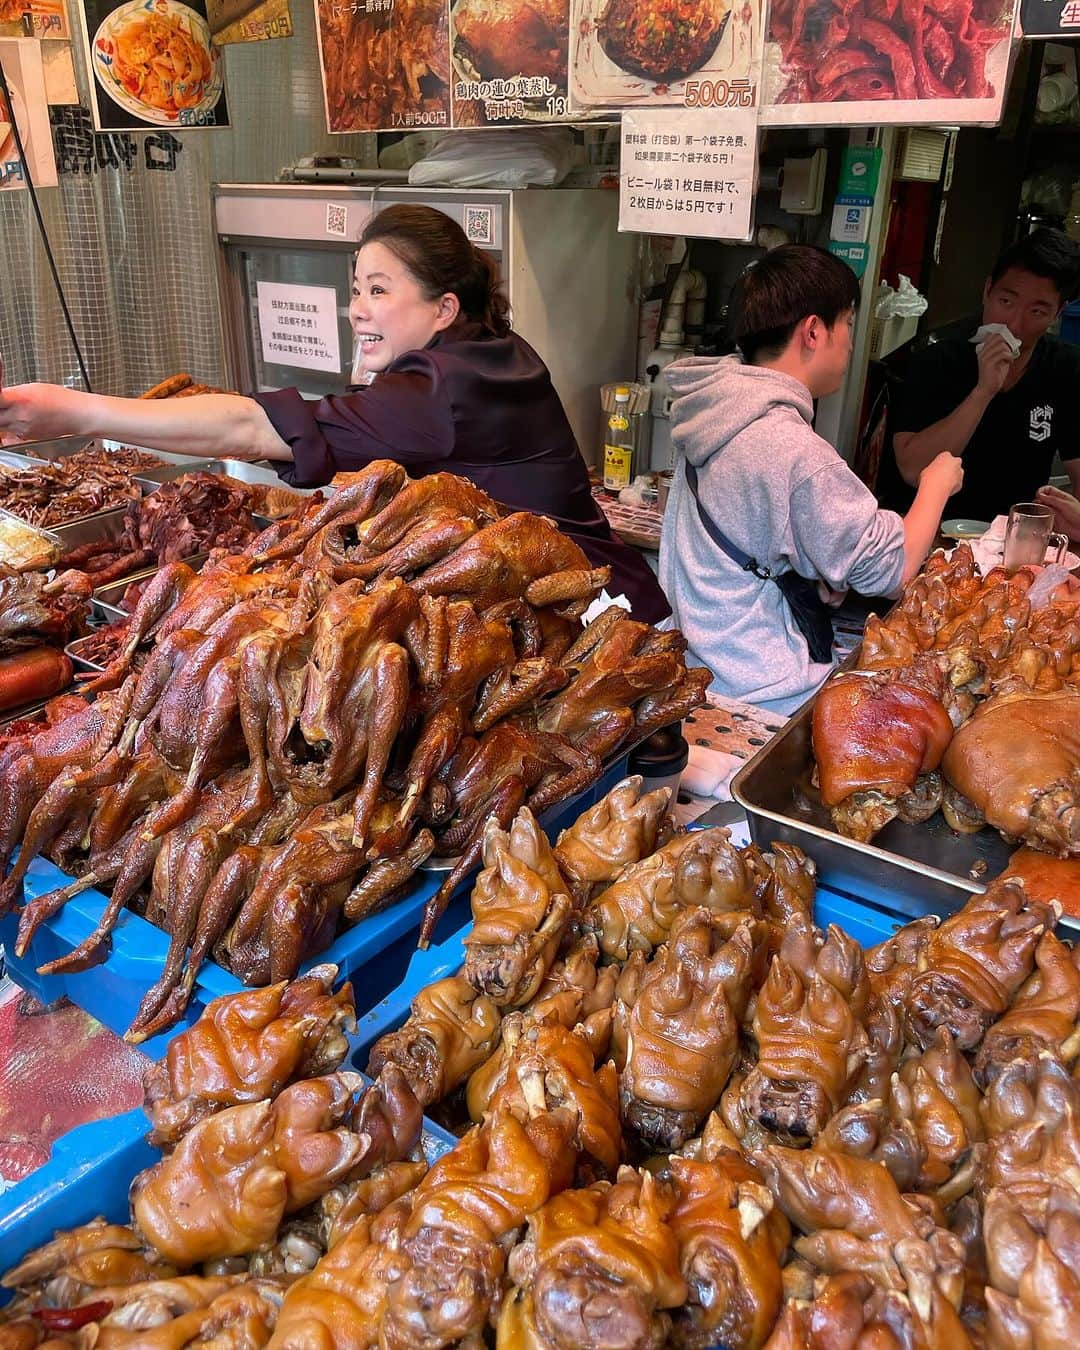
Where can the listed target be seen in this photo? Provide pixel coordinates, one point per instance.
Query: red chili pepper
(71, 1319)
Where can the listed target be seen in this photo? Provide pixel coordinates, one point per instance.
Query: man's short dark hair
(1046, 253)
(785, 287)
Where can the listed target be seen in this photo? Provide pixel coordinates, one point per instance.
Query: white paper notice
(688, 171)
(299, 326)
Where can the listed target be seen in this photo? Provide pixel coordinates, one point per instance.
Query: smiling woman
(454, 389)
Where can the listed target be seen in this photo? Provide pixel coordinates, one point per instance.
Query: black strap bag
(811, 614)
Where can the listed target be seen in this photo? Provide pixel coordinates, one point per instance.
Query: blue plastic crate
(113, 990)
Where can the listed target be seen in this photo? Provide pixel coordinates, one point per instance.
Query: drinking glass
(1028, 535)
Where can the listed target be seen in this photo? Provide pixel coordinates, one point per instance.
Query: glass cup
(1029, 534)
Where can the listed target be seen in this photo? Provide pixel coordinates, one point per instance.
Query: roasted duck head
(520, 912)
(810, 1025)
(598, 1267)
(974, 964)
(682, 1030)
(621, 829)
(1016, 766)
(875, 736)
(661, 41)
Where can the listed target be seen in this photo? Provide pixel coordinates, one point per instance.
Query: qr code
(478, 224)
(336, 220)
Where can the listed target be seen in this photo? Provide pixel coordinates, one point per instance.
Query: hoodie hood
(716, 398)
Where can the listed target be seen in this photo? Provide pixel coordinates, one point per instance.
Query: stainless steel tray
(910, 869)
(33, 452)
(80, 662)
(91, 529)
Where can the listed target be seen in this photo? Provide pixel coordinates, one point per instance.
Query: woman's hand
(35, 412)
(1065, 507)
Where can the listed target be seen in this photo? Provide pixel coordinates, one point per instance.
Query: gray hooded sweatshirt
(783, 495)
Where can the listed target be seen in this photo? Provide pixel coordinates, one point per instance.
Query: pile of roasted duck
(699, 1121)
(966, 697)
(366, 684)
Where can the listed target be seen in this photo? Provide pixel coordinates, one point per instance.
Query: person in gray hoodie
(778, 491)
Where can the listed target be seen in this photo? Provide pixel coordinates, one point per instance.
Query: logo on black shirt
(1040, 422)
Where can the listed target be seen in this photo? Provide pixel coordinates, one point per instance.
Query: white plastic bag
(903, 303)
(523, 157)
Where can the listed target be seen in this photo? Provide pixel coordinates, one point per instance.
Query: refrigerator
(286, 253)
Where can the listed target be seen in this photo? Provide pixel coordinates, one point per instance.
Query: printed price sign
(688, 172)
(298, 326)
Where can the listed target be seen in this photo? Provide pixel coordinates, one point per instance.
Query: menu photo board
(34, 19)
(509, 61)
(664, 53)
(887, 62)
(385, 64)
(154, 64)
(29, 111)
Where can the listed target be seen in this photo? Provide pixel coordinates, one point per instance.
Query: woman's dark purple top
(476, 405)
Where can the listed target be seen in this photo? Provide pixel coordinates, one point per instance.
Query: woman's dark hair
(785, 287)
(1046, 253)
(435, 250)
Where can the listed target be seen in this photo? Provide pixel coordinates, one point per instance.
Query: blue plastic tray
(112, 991)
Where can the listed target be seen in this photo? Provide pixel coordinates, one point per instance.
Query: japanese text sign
(688, 172)
(298, 326)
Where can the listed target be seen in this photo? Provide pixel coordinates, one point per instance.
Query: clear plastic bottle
(619, 444)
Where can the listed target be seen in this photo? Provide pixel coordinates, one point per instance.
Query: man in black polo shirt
(1006, 416)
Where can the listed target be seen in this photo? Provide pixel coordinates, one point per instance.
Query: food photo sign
(34, 18)
(385, 64)
(886, 62)
(510, 61)
(685, 53)
(29, 110)
(154, 65)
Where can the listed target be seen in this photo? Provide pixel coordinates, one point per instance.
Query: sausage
(168, 388)
(37, 673)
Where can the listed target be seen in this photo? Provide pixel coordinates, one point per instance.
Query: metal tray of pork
(915, 869)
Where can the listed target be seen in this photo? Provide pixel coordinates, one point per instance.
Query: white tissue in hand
(987, 330)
